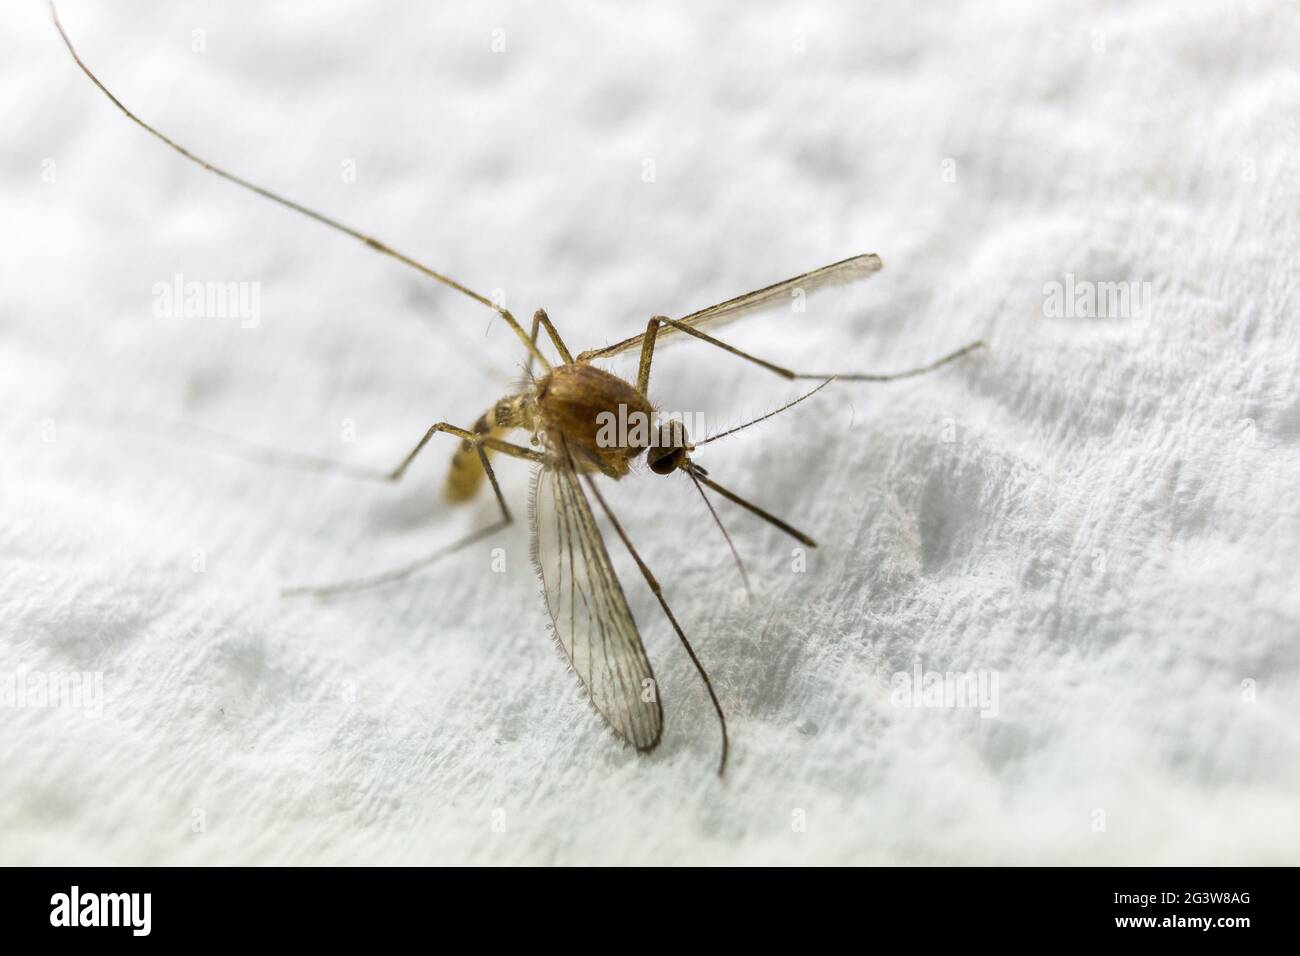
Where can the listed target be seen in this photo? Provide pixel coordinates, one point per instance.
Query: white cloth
(1097, 512)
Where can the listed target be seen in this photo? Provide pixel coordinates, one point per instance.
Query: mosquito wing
(593, 624)
(837, 273)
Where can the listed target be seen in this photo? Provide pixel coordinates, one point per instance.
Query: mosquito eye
(664, 461)
(669, 449)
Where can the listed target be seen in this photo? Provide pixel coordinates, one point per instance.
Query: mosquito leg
(207, 439)
(663, 603)
(652, 330)
(210, 440)
(471, 440)
(406, 570)
(540, 318)
(394, 574)
(532, 337)
(336, 225)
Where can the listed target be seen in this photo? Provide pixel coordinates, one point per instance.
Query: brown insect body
(466, 475)
(573, 401)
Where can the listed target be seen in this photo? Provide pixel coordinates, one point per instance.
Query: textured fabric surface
(1095, 516)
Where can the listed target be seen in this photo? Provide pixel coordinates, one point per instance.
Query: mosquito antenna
(755, 509)
(681, 635)
(740, 565)
(323, 219)
(787, 405)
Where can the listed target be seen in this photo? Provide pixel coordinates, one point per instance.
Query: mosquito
(560, 409)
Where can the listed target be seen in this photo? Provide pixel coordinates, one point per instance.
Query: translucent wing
(837, 273)
(593, 624)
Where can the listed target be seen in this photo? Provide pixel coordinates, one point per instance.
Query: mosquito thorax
(596, 411)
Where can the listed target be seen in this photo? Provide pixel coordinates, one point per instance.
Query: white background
(1100, 511)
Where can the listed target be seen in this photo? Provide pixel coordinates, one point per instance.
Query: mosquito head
(670, 449)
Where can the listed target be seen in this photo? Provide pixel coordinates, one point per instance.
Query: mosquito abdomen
(467, 473)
